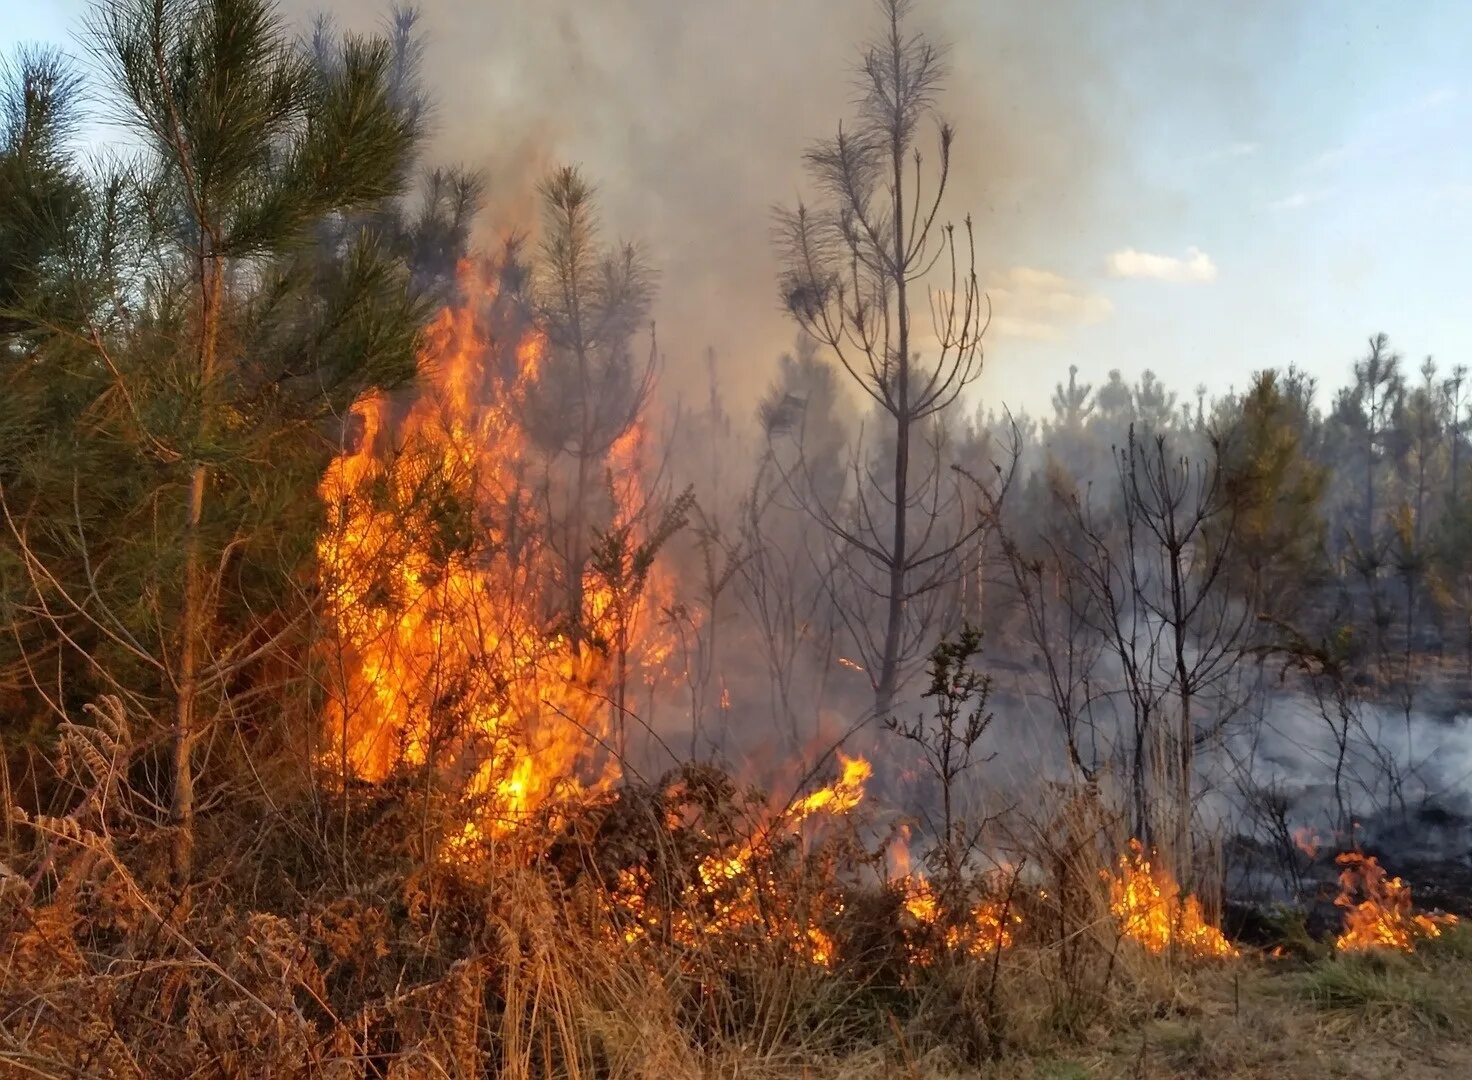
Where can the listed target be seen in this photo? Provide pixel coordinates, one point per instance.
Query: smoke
(692, 118)
(1400, 773)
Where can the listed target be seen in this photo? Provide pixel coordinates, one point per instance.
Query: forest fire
(1377, 908)
(1151, 910)
(438, 579)
(734, 895)
(448, 649)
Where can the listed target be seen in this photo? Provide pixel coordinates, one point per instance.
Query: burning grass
(479, 884)
(688, 927)
(1154, 912)
(1377, 909)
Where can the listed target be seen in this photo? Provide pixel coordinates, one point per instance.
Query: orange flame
(989, 926)
(1307, 841)
(1383, 919)
(735, 898)
(840, 797)
(1150, 908)
(448, 650)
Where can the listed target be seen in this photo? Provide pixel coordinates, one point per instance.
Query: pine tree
(1116, 404)
(42, 193)
(1155, 406)
(1276, 489)
(192, 404)
(589, 300)
(1071, 405)
(853, 270)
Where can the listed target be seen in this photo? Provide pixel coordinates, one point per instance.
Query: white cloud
(1194, 266)
(1298, 200)
(1039, 305)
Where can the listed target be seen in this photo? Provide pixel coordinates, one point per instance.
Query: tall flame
(449, 649)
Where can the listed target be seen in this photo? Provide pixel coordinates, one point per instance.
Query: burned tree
(853, 265)
(1132, 607)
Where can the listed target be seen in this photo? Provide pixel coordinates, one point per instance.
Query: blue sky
(1201, 189)
(1321, 161)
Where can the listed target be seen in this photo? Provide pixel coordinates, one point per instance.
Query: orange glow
(842, 796)
(898, 856)
(989, 926)
(1383, 918)
(735, 896)
(449, 648)
(1307, 841)
(1150, 909)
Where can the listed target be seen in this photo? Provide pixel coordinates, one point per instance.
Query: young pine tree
(191, 404)
(855, 268)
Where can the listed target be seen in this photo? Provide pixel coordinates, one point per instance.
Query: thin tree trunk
(576, 551)
(1370, 483)
(899, 554)
(1456, 453)
(185, 724)
(1186, 762)
(193, 619)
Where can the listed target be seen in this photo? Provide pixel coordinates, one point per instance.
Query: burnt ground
(1268, 888)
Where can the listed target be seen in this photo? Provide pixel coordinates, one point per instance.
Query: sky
(1199, 189)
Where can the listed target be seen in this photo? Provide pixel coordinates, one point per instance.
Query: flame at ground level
(1151, 909)
(990, 924)
(1377, 908)
(735, 896)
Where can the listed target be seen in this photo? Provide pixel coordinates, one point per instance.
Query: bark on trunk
(194, 619)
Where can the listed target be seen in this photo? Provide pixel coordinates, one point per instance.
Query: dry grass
(318, 943)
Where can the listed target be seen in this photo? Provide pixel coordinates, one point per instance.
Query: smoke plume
(693, 118)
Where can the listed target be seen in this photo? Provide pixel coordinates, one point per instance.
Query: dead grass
(336, 952)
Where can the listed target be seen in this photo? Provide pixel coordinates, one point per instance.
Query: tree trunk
(899, 554)
(185, 723)
(193, 618)
(576, 549)
(1370, 484)
(1186, 757)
